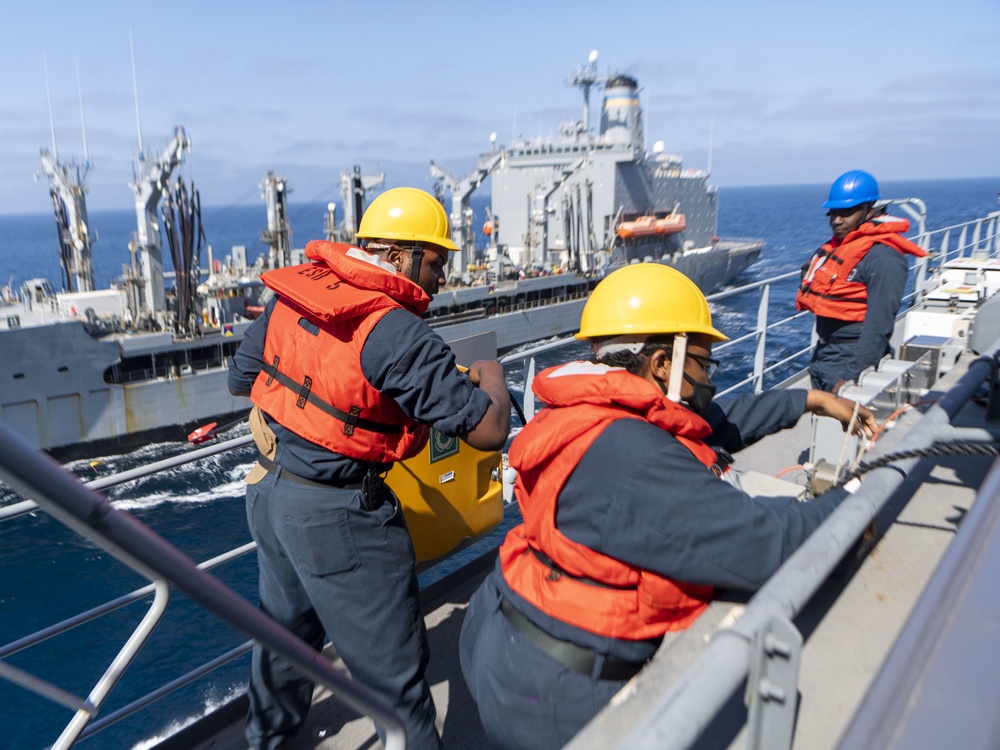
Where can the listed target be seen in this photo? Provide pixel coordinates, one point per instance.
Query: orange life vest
(313, 384)
(562, 578)
(826, 287)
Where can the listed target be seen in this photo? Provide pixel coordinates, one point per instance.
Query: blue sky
(790, 91)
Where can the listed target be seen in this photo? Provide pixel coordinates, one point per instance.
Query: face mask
(701, 399)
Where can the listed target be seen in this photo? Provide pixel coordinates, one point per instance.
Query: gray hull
(57, 395)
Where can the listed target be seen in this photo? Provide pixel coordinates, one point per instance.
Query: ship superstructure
(587, 200)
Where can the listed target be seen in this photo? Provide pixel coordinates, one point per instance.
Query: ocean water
(51, 574)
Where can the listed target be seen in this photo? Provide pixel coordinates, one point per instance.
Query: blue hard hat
(852, 189)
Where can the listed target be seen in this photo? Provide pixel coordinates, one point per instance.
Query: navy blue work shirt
(883, 271)
(403, 359)
(662, 510)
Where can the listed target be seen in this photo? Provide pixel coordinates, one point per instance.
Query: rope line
(938, 449)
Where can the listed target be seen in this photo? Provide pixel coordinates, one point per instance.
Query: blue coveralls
(846, 348)
(663, 512)
(329, 564)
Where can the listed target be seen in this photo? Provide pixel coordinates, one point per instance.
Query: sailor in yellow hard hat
(349, 379)
(627, 527)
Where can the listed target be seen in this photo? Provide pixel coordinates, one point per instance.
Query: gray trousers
(527, 700)
(831, 362)
(329, 565)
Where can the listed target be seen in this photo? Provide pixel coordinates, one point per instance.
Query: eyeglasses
(707, 364)
(436, 264)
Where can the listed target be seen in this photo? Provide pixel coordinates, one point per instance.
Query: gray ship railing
(34, 476)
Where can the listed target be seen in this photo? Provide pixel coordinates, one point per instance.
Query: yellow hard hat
(407, 214)
(646, 298)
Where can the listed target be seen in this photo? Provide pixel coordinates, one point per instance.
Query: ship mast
(68, 190)
(461, 189)
(586, 76)
(278, 235)
(151, 176)
(354, 188)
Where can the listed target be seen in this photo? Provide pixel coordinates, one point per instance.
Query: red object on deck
(203, 433)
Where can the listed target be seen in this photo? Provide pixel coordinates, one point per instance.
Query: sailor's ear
(659, 364)
(394, 256)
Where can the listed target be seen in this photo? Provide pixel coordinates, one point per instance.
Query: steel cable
(938, 449)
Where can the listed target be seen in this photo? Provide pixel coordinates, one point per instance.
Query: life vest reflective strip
(312, 383)
(570, 581)
(826, 289)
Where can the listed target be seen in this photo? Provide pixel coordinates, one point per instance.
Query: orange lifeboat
(645, 226)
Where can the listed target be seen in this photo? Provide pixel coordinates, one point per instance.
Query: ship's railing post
(920, 274)
(944, 246)
(976, 234)
(117, 668)
(758, 359)
(771, 693)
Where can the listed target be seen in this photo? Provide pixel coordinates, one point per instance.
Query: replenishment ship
(87, 369)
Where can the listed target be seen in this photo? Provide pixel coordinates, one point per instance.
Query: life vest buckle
(272, 371)
(352, 419)
(304, 392)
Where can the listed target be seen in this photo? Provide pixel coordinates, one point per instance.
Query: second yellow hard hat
(407, 215)
(647, 298)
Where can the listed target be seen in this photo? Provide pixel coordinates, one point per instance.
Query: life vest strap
(305, 395)
(304, 392)
(352, 419)
(558, 572)
(806, 290)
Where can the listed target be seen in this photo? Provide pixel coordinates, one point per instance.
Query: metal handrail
(110, 606)
(27, 506)
(151, 697)
(32, 473)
